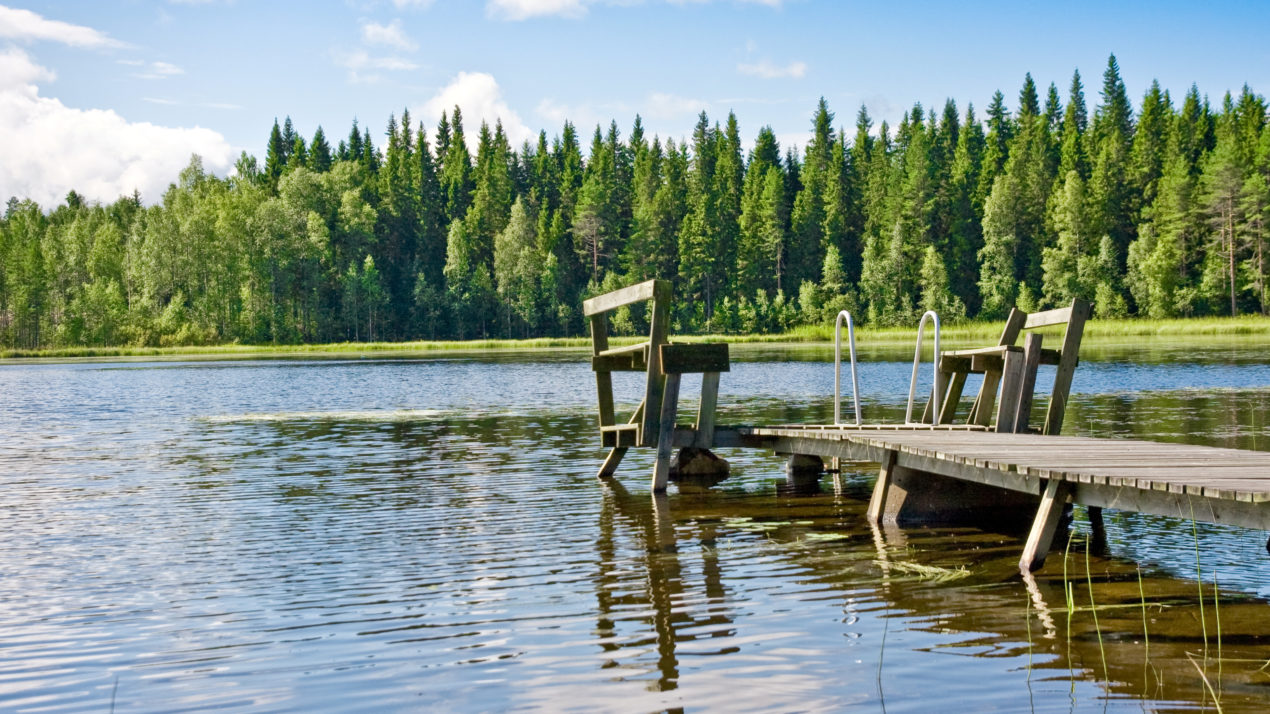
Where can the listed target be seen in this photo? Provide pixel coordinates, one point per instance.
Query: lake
(428, 534)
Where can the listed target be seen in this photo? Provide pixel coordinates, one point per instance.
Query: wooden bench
(664, 363)
(1011, 370)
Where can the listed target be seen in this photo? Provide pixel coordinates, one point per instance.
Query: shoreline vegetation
(1159, 210)
(1246, 329)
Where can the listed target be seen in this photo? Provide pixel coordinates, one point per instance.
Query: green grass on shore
(1249, 328)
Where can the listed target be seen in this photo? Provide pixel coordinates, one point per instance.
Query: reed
(1199, 580)
(1207, 684)
(1089, 582)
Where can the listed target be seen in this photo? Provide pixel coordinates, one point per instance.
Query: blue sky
(105, 96)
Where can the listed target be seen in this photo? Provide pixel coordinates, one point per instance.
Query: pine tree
(965, 230)
(807, 238)
(319, 152)
(998, 287)
(761, 241)
(698, 235)
(996, 146)
(1109, 189)
(456, 172)
(595, 222)
(1149, 143)
(1220, 187)
(275, 156)
(1072, 155)
(432, 233)
(729, 175)
(493, 191)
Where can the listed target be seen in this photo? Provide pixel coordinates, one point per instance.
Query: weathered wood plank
(659, 328)
(620, 298)
(694, 358)
(665, 436)
(1011, 382)
(706, 410)
(1080, 312)
(603, 380)
(1048, 515)
(619, 363)
(880, 487)
(1046, 318)
(1031, 360)
(611, 462)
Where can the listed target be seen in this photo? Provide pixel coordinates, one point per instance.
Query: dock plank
(1215, 484)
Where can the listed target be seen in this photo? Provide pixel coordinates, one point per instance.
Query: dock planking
(1224, 485)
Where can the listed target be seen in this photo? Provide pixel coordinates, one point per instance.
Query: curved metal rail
(917, 360)
(837, 368)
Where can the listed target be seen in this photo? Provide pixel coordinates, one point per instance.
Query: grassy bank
(1251, 328)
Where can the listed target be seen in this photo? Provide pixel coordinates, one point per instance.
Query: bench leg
(611, 462)
(705, 414)
(666, 433)
(1048, 515)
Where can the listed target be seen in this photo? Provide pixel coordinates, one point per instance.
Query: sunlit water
(429, 535)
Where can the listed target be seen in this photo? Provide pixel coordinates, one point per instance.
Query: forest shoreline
(1243, 329)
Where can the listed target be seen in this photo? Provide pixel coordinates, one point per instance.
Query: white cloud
(661, 105)
(391, 35)
(161, 101)
(583, 116)
(27, 26)
(19, 73)
(403, 4)
(525, 9)
(364, 68)
(51, 148)
(767, 70)
(156, 70)
(478, 95)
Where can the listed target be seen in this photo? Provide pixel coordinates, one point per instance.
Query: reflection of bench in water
(981, 472)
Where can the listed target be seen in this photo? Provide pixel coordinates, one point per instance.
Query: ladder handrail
(917, 359)
(837, 368)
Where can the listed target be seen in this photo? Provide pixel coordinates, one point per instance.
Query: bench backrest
(1074, 316)
(596, 310)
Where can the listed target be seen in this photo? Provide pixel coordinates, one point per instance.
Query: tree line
(1156, 211)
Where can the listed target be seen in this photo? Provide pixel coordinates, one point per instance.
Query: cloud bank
(50, 149)
(481, 99)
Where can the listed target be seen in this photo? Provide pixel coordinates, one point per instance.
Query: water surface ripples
(429, 535)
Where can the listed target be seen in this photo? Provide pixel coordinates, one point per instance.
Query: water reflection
(299, 537)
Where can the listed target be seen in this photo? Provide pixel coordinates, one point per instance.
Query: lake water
(428, 535)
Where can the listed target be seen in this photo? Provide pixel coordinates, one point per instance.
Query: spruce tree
(275, 156)
(456, 172)
(319, 152)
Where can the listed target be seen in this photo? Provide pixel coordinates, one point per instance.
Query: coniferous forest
(1160, 210)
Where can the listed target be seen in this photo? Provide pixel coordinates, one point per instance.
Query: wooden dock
(991, 468)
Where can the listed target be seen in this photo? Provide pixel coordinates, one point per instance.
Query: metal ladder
(855, 381)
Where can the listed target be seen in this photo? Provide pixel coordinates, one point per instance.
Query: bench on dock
(664, 362)
(1011, 369)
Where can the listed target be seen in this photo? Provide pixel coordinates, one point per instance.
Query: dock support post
(666, 432)
(878, 502)
(1048, 515)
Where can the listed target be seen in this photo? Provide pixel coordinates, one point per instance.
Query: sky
(108, 97)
